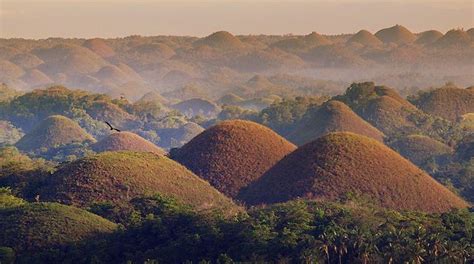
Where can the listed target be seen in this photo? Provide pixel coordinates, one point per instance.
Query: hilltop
(429, 37)
(126, 141)
(333, 116)
(382, 107)
(232, 154)
(220, 40)
(44, 226)
(118, 177)
(100, 47)
(342, 163)
(454, 38)
(365, 38)
(54, 131)
(448, 102)
(396, 34)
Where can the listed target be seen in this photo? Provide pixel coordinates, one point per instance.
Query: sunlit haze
(108, 18)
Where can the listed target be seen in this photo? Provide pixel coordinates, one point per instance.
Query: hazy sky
(116, 18)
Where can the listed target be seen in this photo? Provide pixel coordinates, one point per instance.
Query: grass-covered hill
(428, 37)
(448, 102)
(397, 34)
(365, 38)
(126, 141)
(220, 40)
(385, 109)
(332, 116)
(54, 131)
(421, 149)
(232, 154)
(34, 227)
(118, 177)
(344, 164)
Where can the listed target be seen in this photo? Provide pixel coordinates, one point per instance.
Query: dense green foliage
(163, 230)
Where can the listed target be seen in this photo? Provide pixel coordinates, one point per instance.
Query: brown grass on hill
(36, 78)
(428, 37)
(220, 40)
(118, 177)
(54, 131)
(333, 116)
(27, 61)
(100, 47)
(126, 141)
(448, 102)
(396, 34)
(302, 42)
(9, 71)
(342, 163)
(419, 149)
(454, 38)
(34, 226)
(365, 38)
(233, 154)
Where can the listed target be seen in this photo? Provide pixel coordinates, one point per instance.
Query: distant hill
(420, 149)
(126, 141)
(177, 137)
(454, 38)
(396, 34)
(448, 102)
(220, 40)
(118, 177)
(365, 38)
(429, 37)
(36, 78)
(382, 107)
(332, 116)
(9, 71)
(27, 61)
(341, 164)
(197, 106)
(69, 59)
(100, 47)
(54, 131)
(302, 43)
(232, 154)
(44, 226)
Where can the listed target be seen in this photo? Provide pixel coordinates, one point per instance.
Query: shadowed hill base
(333, 116)
(118, 177)
(342, 163)
(233, 153)
(45, 225)
(53, 131)
(126, 141)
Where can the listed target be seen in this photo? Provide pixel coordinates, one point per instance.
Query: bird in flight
(111, 127)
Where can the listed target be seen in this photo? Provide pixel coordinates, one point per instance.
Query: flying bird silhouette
(111, 127)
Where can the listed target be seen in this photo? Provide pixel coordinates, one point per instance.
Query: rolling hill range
(54, 131)
(232, 154)
(333, 116)
(343, 163)
(136, 65)
(118, 177)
